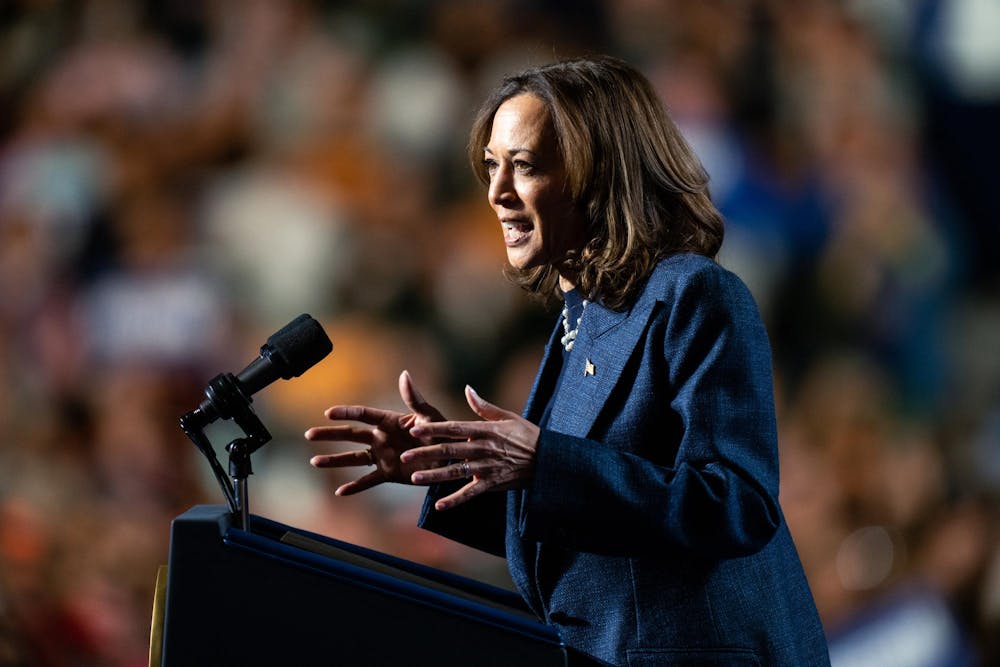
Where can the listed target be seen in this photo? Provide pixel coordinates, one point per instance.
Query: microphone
(288, 353)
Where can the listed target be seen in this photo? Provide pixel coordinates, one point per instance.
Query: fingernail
(441, 505)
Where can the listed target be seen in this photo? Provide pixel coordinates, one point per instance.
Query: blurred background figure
(178, 180)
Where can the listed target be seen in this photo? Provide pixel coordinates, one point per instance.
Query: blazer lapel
(603, 346)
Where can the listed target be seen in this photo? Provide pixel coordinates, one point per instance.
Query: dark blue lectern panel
(281, 596)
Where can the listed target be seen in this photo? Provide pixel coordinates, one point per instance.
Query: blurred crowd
(180, 179)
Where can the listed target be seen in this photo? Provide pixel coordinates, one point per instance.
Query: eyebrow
(513, 151)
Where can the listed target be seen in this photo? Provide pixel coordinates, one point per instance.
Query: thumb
(414, 400)
(484, 408)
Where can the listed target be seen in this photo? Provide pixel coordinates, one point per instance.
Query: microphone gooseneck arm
(226, 399)
(193, 425)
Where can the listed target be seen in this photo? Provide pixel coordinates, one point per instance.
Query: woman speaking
(636, 497)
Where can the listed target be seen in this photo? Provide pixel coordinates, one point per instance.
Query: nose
(501, 189)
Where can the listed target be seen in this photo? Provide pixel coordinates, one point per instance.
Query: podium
(275, 595)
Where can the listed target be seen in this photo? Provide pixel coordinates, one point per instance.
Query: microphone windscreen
(297, 347)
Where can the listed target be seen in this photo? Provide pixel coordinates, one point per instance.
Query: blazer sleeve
(479, 523)
(719, 496)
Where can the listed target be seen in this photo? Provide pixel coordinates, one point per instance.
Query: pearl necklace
(570, 337)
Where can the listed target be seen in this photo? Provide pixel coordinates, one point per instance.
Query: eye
(523, 166)
(490, 165)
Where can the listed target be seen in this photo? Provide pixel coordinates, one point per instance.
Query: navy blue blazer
(650, 533)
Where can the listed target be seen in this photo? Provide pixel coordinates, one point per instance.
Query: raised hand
(498, 453)
(387, 434)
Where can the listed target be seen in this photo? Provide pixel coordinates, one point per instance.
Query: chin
(523, 261)
(521, 265)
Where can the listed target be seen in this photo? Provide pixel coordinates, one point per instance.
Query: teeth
(515, 231)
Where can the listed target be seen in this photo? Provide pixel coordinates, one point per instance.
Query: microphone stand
(193, 426)
(226, 400)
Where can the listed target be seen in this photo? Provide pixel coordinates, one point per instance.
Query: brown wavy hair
(643, 190)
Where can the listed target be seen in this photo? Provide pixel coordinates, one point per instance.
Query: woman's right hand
(387, 436)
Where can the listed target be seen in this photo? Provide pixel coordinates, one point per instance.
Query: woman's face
(539, 220)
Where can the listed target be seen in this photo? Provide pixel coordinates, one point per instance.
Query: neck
(565, 284)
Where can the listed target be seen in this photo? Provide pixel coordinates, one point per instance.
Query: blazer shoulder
(688, 272)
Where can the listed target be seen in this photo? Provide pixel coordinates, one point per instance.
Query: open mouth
(516, 231)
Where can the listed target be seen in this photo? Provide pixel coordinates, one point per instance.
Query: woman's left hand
(498, 453)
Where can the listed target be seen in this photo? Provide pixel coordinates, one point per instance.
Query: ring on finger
(371, 457)
(466, 471)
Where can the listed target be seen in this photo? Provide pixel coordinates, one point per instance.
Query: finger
(374, 478)
(345, 433)
(484, 408)
(465, 494)
(461, 470)
(452, 430)
(429, 455)
(358, 413)
(343, 460)
(414, 400)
